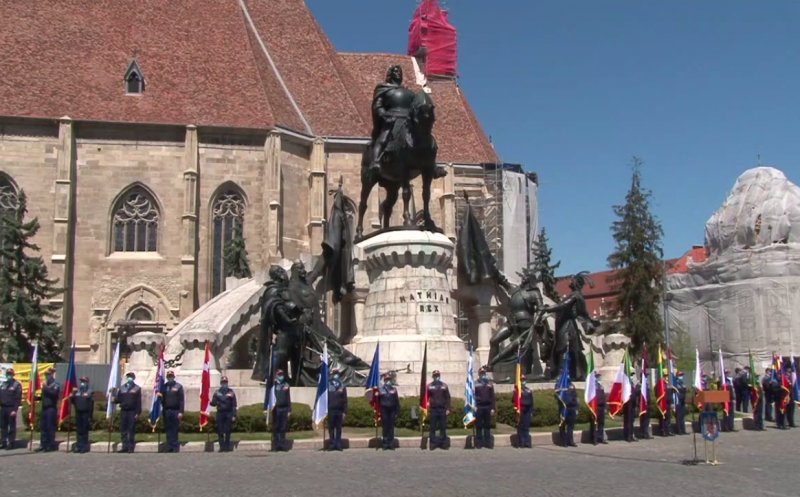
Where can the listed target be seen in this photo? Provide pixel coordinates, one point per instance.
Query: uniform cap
(130, 374)
(223, 379)
(522, 378)
(436, 372)
(482, 370)
(336, 371)
(170, 373)
(387, 376)
(279, 371)
(50, 370)
(84, 378)
(10, 371)
(679, 373)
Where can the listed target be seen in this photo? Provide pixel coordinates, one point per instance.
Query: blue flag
(469, 394)
(562, 387)
(374, 376)
(321, 404)
(158, 387)
(795, 382)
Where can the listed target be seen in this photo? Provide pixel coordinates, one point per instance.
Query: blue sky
(573, 89)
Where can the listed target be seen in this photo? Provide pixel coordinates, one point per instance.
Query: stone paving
(752, 464)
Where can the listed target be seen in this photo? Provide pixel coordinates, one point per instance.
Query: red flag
(518, 385)
(205, 388)
(621, 389)
(661, 386)
(786, 384)
(70, 383)
(423, 385)
(34, 384)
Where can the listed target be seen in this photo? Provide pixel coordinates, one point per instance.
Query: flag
(518, 384)
(755, 385)
(205, 388)
(374, 381)
(661, 385)
(726, 406)
(644, 398)
(621, 390)
(673, 391)
(321, 404)
(589, 395)
(562, 386)
(158, 386)
(270, 400)
(469, 393)
(795, 384)
(70, 382)
(33, 385)
(698, 376)
(785, 382)
(113, 383)
(423, 387)
(475, 260)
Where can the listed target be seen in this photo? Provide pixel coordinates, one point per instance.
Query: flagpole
(110, 428)
(69, 429)
(33, 410)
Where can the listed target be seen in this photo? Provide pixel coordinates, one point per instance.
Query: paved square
(753, 464)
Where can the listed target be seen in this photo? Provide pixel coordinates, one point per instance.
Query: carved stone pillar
(483, 319)
(64, 222)
(189, 218)
(273, 198)
(316, 187)
(447, 203)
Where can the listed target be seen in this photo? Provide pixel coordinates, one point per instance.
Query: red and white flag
(34, 384)
(621, 390)
(726, 406)
(205, 388)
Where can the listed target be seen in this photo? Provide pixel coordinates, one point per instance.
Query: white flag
(113, 382)
(698, 373)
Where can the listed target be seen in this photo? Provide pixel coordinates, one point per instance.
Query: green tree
(236, 263)
(637, 257)
(546, 272)
(25, 289)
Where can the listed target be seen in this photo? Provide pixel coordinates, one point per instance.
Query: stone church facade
(144, 136)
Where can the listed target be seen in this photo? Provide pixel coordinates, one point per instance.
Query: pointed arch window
(135, 222)
(227, 217)
(134, 80)
(9, 198)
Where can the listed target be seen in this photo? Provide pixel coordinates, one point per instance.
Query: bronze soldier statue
(568, 336)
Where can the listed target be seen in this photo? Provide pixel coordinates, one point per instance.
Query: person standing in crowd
(439, 408)
(788, 415)
(129, 398)
(48, 421)
(390, 404)
(766, 389)
(337, 409)
(283, 409)
(598, 427)
(224, 399)
(757, 399)
(630, 412)
(83, 400)
(10, 400)
(727, 418)
(525, 415)
(741, 379)
(644, 415)
(173, 398)
(566, 429)
(485, 407)
(680, 405)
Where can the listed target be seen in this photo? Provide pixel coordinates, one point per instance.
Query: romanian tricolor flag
(205, 388)
(755, 385)
(34, 384)
(424, 402)
(518, 385)
(620, 392)
(374, 383)
(661, 386)
(70, 383)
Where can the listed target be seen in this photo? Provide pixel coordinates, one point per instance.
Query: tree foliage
(542, 267)
(638, 259)
(25, 289)
(236, 262)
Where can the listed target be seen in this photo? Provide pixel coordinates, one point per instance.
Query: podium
(709, 422)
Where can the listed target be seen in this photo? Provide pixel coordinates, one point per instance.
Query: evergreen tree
(25, 288)
(546, 272)
(236, 264)
(637, 257)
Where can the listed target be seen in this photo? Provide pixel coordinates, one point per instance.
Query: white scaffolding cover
(746, 296)
(519, 206)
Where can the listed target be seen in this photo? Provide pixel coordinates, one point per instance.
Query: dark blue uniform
(10, 400)
(51, 393)
(727, 419)
(644, 417)
(630, 410)
(525, 415)
(438, 407)
(83, 400)
(598, 428)
(766, 391)
(129, 398)
(224, 399)
(485, 404)
(337, 409)
(172, 398)
(567, 427)
(283, 406)
(390, 404)
(680, 407)
(758, 409)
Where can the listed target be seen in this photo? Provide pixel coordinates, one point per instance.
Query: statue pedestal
(408, 305)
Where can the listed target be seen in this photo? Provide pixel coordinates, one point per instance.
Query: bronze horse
(411, 153)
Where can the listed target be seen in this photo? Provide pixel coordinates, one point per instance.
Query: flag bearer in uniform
(83, 400)
(172, 396)
(129, 398)
(51, 393)
(598, 428)
(224, 400)
(485, 406)
(10, 400)
(283, 409)
(525, 415)
(390, 404)
(337, 409)
(439, 406)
